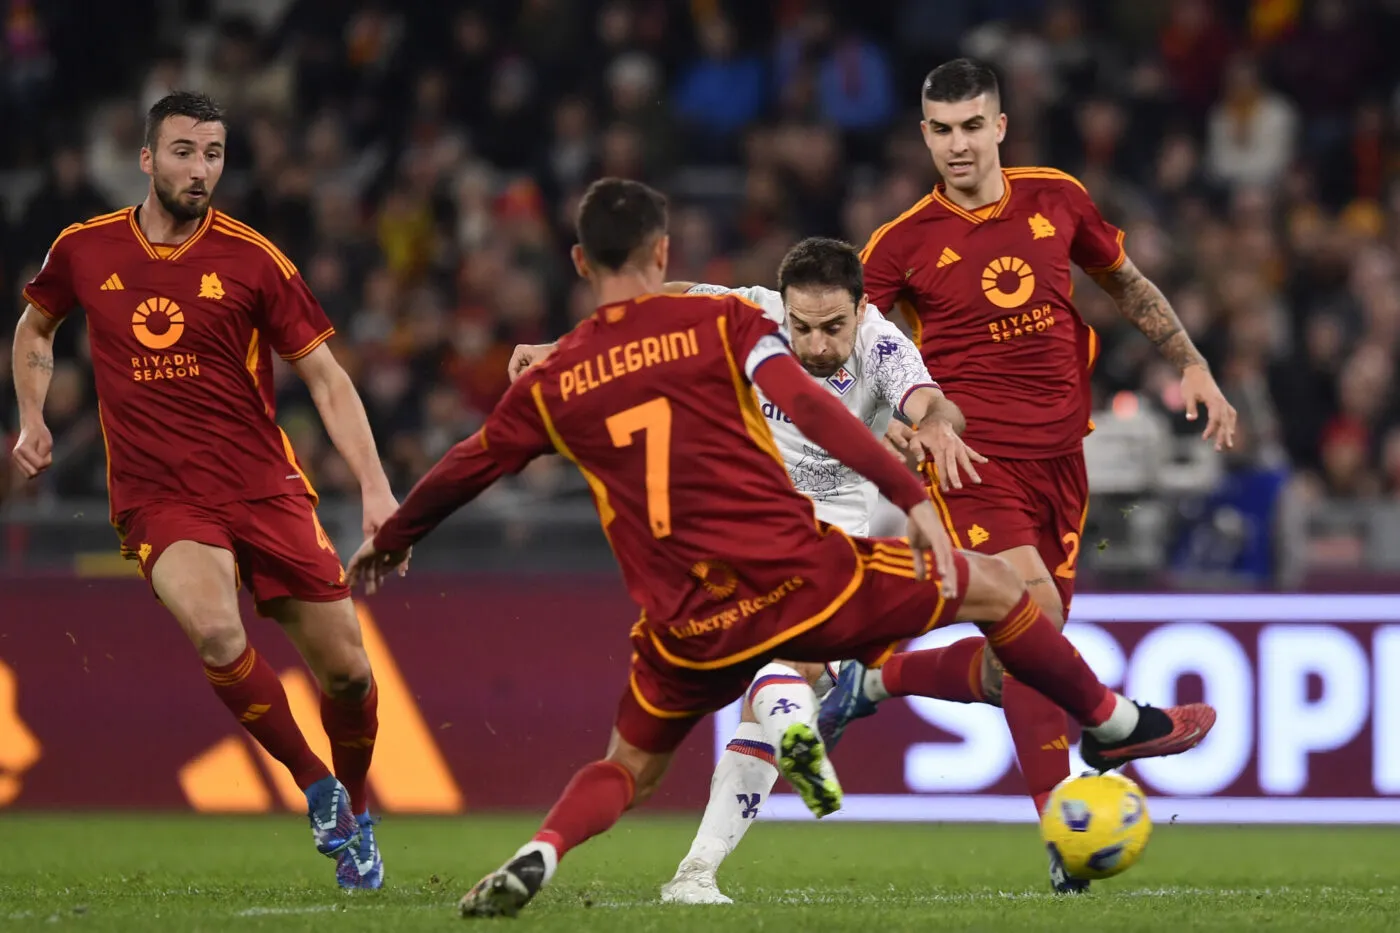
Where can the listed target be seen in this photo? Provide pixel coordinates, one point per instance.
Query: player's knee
(218, 637)
(350, 681)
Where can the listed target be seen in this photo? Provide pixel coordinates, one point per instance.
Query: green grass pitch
(190, 873)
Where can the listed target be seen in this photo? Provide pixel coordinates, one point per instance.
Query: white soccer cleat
(694, 884)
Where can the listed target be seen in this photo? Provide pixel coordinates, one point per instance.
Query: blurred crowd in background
(420, 162)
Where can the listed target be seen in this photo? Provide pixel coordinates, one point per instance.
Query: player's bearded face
(822, 323)
(185, 166)
(963, 136)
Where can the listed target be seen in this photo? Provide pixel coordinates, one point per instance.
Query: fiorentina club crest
(841, 381)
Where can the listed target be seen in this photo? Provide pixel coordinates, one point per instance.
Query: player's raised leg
(328, 636)
(197, 583)
(1033, 650)
(743, 780)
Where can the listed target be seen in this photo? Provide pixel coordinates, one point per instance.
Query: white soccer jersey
(884, 368)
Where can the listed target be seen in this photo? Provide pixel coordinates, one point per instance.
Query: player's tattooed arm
(1143, 303)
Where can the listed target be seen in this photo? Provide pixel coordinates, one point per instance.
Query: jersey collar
(982, 213)
(180, 250)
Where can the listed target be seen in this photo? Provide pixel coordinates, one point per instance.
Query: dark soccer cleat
(503, 892)
(333, 823)
(361, 865)
(1159, 733)
(845, 702)
(1061, 881)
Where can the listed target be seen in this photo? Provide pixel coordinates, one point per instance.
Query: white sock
(875, 685)
(743, 779)
(1119, 724)
(780, 697)
(551, 856)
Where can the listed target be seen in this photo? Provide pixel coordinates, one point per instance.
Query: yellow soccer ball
(1098, 823)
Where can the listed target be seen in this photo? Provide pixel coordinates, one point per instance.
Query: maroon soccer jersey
(181, 344)
(989, 297)
(652, 400)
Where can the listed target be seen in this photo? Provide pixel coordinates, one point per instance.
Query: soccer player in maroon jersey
(652, 398)
(185, 306)
(982, 269)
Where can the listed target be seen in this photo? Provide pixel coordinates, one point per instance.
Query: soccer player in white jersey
(865, 360)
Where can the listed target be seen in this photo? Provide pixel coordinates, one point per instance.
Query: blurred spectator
(1251, 132)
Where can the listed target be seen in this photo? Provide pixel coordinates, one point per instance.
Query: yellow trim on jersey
(943, 510)
(236, 228)
(982, 213)
(786, 634)
(306, 350)
(292, 459)
(1045, 171)
(754, 423)
(1117, 263)
(880, 232)
(600, 491)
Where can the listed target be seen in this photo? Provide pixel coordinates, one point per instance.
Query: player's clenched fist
(527, 355)
(34, 450)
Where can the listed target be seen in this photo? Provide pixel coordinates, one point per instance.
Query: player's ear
(860, 308)
(662, 256)
(1001, 127)
(148, 161)
(580, 262)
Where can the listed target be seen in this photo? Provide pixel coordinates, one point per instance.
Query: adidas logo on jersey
(947, 258)
(113, 284)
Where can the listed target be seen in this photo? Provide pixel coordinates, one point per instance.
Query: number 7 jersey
(652, 400)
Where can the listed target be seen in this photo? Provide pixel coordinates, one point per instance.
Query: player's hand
(33, 451)
(378, 505)
(373, 566)
(938, 442)
(527, 355)
(1198, 387)
(896, 441)
(926, 531)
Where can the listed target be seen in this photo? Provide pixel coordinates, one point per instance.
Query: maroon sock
(250, 689)
(591, 804)
(351, 725)
(1036, 653)
(1038, 730)
(953, 672)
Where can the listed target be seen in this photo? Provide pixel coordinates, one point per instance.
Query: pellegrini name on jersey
(883, 370)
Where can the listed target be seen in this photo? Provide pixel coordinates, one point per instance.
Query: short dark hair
(824, 263)
(616, 218)
(961, 79)
(198, 107)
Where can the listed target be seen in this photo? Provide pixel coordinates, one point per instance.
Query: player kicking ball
(185, 306)
(652, 398)
(851, 351)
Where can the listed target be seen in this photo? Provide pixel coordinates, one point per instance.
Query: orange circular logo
(1008, 282)
(158, 323)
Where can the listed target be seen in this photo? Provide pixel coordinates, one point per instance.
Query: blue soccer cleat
(333, 823)
(360, 865)
(846, 701)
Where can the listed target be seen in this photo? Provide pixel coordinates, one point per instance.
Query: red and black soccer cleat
(1159, 733)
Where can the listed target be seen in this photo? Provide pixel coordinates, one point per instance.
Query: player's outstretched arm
(343, 414)
(826, 422)
(32, 364)
(940, 424)
(463, 473)
(1143, 303)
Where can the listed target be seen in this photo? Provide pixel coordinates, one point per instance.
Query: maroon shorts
(1042, 503)
(278, 544)
(884, 606)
